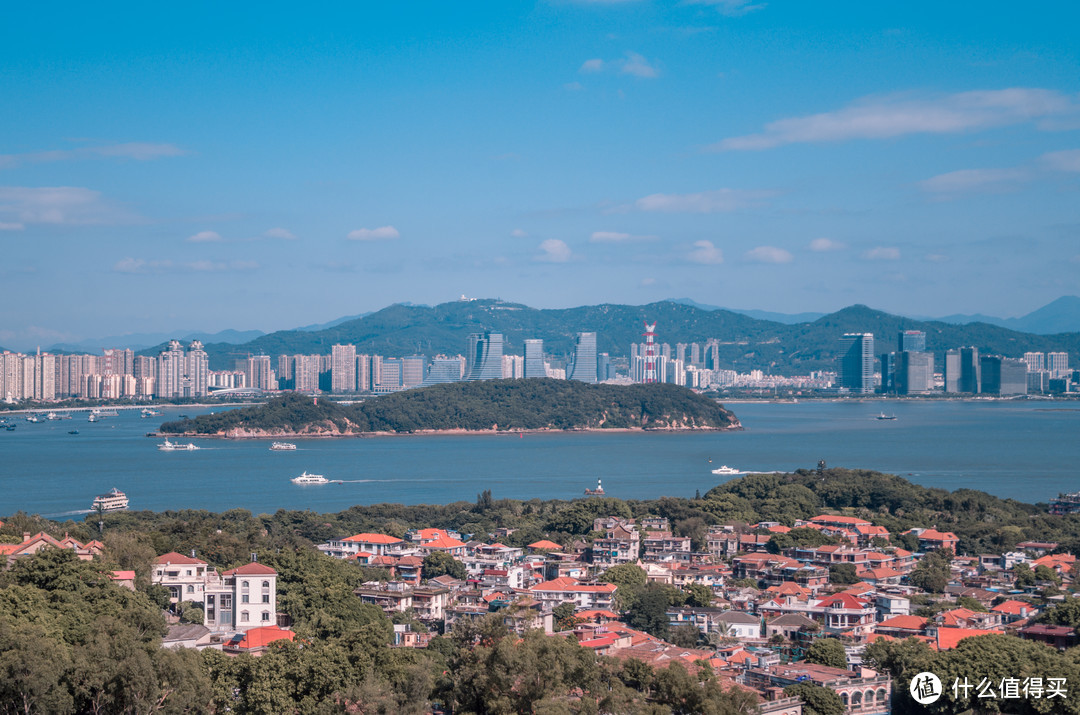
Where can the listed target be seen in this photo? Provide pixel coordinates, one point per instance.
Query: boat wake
(76, 512)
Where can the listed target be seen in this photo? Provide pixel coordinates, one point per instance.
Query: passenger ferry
(306, 478)
(282, 447)
(115, 500)
(168, 446)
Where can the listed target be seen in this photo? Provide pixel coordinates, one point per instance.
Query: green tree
(1025, 577)
(842, 574)
(440, 563)
(685, 636)
(565, 619)
(649, 611)
(827, 651)
(817, 700)
(698, 595)
(1045, 573)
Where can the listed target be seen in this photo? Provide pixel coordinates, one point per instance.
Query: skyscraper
(584, 367)
(306, 373)
(1057, 363)
(1003, 376)
(485, 356)
(915, 373)
(534, 358)
(343, 368)
(952, 371)
(857, 362)
(445, 369)
(603, 367)
(412, 370)
(970, 370)
(1035, 361)
(889, 363)
(911, 341)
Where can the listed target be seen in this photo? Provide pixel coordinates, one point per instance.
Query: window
(244, 585)
(243, 598)
(266, 615)
(226, 602)
(190, 588)
(266, 584)
(243, 616)
(187, 572)
(266, 598)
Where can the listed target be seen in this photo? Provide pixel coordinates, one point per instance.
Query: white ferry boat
(147, 412)
(168, 446)
(306, 478)
(282, 447)
(727, 470)
(115, 500)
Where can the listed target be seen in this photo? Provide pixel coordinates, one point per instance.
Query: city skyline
(161, 171)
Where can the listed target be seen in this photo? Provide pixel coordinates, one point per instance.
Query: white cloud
(518, 233)
(706, 253)
(638, 66)
(882, 253)
(609, 237)
(11, 226)
(592, 66)
(205, 237)
(554, 251)
(282, 233)
(1068, 160)
(733, 8)
(972, 180)
(769, 254)
(144, 266)
(374, 234)
(573, 86)
(898, 115)
(59, 205)
(139, 151)
(825, 244)
(721, 200)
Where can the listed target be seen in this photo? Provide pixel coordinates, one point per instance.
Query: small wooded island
(487, 406)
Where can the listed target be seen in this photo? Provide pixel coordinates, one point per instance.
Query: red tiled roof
(947, 638)
(828, 519)
(252, 569)
(122, 576)
(911, 623)
(935, 535)
(1013, 607)
(444, 542)
(545, 544)
(373, 539)
(779, 529)
(174, 558)
(263, 636)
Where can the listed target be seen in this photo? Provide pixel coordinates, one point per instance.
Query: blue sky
(209, 167)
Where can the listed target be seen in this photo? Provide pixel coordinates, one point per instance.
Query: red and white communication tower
(650, 353)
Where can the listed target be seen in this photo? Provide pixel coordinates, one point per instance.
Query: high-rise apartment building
(1035, 361)
(412, 371)
(695, 355)
(1057, 364)
(258, 374)
(363, 373)
(857, 362)
(584, 367)
(445, 369)
(513, 367)
(485, 356)
(389, 375)
(534, 358)
(603, 367)
(343, 368)
(183, 373)
(712, 354)
(889, 363)
(306, 373)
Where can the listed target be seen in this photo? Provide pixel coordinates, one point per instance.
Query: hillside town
(759, 606)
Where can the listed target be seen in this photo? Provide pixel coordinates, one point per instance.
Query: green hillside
(503, 405)
(745, 343)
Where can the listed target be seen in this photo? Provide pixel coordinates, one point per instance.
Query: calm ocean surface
(1025, 450)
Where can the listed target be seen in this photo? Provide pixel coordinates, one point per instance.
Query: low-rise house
(789, 625)
(892, 604)
(582, 595)
(430, 601)
(1060, 637)
(1012, 611)
(390, 596)
(620, 545)
(966, 618)
(241, 598)
(368, 543)
(256, 640)
(737, 624)
(864, 692)
(1039, 548)
(661, 546)
(184, 576)
(189, 635)
(31, 545)
(932, 539)
(902, 626)
(406, 637)
(842, 613)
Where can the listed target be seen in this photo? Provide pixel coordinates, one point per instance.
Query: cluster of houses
(766, 610)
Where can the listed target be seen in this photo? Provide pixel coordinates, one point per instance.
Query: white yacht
(727, 470)
(114, 500)
(282, 447)
(306, 478)
(168, 446)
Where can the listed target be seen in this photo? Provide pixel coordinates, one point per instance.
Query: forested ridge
(504, 405)
(73, 641)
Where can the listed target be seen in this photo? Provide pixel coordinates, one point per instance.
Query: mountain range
(744, 342)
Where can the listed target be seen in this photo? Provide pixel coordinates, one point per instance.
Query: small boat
(33, 418)
(884, 416)
(114, 500)
(726, 470)
(147, 412)
(282, 447)
(92, 418)
(73, 431)
(168, 446)
(306, 478)
(10, 426)
(598, 492)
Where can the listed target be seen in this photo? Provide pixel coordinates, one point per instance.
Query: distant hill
(745, 343)
(1060, 316)
(786, 318)
(492, 405)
